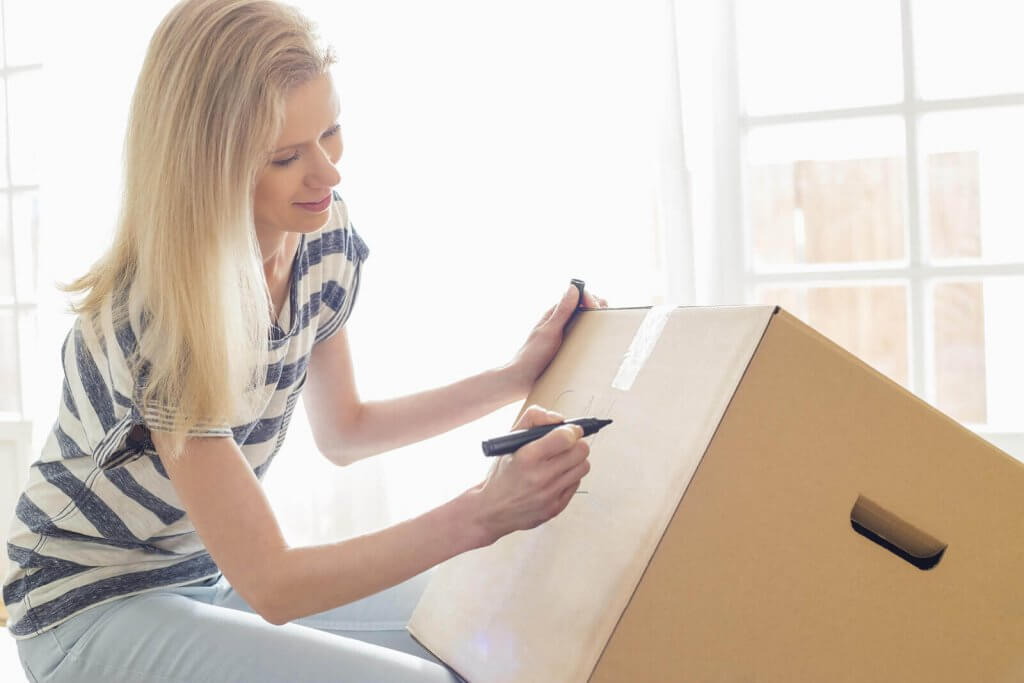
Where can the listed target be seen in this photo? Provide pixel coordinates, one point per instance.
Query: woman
(143, 547)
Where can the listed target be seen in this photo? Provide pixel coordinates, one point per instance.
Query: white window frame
(16, 427)
(735, 278)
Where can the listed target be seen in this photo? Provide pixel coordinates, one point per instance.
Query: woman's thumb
(570, 300)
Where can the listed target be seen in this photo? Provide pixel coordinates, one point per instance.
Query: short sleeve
(343, 252)
(98, 414)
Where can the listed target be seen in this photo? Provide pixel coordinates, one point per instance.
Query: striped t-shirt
(99, 519)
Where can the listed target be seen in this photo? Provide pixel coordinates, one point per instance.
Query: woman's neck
(274, 250)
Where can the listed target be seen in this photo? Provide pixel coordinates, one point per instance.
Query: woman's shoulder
(338, 219)
(338, 237)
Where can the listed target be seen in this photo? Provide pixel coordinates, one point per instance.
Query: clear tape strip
(642, 346)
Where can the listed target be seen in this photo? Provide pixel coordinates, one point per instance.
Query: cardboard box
(765, 507)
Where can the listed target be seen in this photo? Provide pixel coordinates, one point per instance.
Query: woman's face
(302, 168)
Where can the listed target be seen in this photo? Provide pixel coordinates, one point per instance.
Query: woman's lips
(316, 207)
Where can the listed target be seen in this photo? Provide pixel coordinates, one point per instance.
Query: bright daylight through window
(882, 160)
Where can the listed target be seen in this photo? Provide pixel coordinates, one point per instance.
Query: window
(20, 66)
(877, 173)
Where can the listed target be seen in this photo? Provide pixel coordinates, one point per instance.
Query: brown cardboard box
(837, 528)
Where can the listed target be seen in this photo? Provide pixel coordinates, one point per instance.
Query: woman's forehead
(310, 108)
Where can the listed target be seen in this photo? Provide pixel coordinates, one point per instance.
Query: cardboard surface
(480, 612)
(748, 567)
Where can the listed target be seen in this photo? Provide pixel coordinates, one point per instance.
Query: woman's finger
(536, 415)
(564, 308)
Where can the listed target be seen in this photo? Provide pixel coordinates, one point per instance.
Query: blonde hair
(207, 109)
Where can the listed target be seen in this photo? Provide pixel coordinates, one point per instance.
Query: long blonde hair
(207, 109)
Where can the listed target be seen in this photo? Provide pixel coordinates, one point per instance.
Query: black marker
(578, 284)
(515, 440)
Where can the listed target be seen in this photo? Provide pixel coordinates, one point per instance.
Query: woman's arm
(226, 505)
(347, 429)
(232, 516)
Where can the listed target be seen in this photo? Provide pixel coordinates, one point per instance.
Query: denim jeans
(208, 633)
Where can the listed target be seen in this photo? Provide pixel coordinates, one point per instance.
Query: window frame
(16, 426)
(737, 279)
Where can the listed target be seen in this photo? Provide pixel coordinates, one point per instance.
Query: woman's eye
(327, 134)
(285, 162)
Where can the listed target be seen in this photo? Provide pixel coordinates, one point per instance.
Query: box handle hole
(875, 523)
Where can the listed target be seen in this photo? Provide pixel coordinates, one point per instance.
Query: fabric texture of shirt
(99, 519)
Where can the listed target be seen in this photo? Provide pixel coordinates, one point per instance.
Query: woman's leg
(379, 619)
(187, 634)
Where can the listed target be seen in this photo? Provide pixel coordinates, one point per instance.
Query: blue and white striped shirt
(99, 519)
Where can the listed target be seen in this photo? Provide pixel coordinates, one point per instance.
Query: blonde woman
(143, 548)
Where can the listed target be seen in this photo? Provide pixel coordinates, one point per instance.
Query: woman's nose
(325, 173)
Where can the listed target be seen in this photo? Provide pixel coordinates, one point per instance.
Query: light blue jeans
(208, 633)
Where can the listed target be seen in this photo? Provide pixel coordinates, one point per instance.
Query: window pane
(9, 400)
(6, 251)
(979, 367)
(3, 142)
(829, 192)
(26, 242)
(24, 98)
(869, 321)
(960, 351)
(968, 47)
(974, 164)
(23, 22)
(805, 55)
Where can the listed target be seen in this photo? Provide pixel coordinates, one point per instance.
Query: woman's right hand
(530, 486)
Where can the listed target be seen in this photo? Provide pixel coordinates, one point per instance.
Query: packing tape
(642, 346)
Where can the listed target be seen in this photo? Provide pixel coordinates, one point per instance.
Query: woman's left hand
(545, 339)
